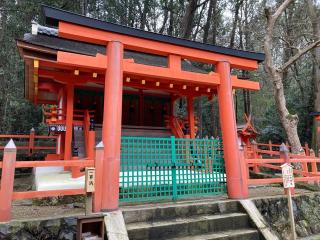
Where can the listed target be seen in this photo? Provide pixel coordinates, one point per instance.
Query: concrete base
(115, 226)
(55, 178)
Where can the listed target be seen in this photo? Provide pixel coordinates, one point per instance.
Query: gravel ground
(263, 191)
(27, 209)
(27, 212)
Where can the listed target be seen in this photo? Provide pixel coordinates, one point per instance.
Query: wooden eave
(30, 52)
(59, 66)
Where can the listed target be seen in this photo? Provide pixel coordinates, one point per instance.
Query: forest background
(240, 24)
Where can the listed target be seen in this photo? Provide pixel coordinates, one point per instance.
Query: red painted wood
(76, 32)
(7, 179)
(69, 121)
(191, 117)
(99, 159)
(235, 184)
(111, 130)
(53, 163)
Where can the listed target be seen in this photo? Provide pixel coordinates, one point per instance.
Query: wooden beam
(166, 88)
(153, 73)
(167, 74)
(99, 62)
(81, 33)
(245, 84)
(48, 86)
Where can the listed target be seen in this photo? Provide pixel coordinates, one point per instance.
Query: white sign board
(287, 175)
(90, 179)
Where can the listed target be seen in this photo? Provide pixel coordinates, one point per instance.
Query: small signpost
(89, 188)
(288, 183)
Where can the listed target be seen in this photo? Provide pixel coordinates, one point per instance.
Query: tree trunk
(215, 24)
(187, 20)
(288, 121)
(171, 18)
(316, 68)
(206, 28)
(235, 21)
(165, 17)
(198, 24)
(143, 17)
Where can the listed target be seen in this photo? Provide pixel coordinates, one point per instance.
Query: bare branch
(300, 52)
(281, 9)
(288, 43)
(204, 2)
(271, 20)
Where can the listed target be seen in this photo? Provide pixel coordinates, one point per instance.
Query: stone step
(189, 226)
(243, 234)
(142, 213)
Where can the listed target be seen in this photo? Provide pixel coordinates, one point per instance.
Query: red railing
(275, 147)
(30, 143)
(176, 126)
(9, 164)
(272, 156)
(55, 115)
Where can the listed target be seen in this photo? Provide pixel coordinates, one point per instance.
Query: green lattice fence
(170, 168)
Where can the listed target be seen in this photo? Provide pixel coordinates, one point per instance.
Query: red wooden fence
(272, 156)
(29, 143)
(8, 166)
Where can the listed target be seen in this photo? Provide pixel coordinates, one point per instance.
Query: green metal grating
(170, 168)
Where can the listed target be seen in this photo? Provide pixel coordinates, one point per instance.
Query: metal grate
(169, 168)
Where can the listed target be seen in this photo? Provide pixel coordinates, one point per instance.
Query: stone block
(115, 226)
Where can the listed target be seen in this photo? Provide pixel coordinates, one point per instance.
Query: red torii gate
(112, 70)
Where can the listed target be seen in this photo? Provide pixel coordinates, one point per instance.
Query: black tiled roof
(54, 15)
(61, 44)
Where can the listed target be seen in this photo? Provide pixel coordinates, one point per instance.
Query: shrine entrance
(139, 108)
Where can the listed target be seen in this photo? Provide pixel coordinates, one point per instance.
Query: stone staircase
(190, 221)
(78, 139)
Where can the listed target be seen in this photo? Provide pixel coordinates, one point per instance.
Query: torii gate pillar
(236, 177)
(111, 130)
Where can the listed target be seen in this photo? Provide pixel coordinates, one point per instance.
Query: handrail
(176, 127)
(28, 142)
(9, 164)
(54, 114)
(256, 157)
(57, 163)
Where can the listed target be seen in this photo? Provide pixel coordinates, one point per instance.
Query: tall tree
(315, 22)
(143, 14)
(187, 20)
(289, 121)
(206, 28)
(238, 4)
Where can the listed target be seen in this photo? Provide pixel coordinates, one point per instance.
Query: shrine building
(104, 85)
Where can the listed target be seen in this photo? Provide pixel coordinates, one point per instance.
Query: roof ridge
(53, 15)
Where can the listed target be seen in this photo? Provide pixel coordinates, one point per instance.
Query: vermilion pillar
(191, 116)
(59, 149)
(111, 130)
(7, 180)
(236, 179)
(69, 122)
